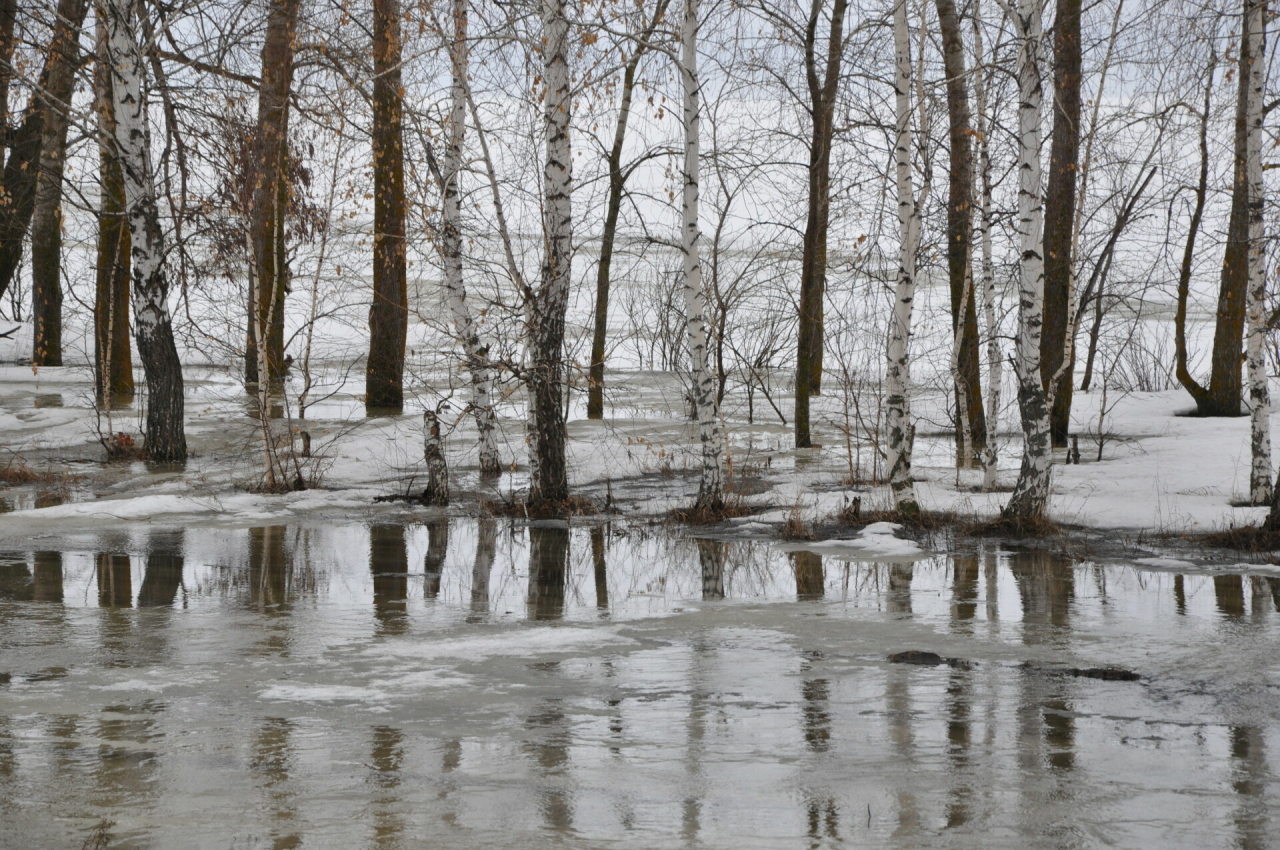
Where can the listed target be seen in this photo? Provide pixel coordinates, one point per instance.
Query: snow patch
(878, 540)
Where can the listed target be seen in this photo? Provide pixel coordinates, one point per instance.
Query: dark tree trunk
(960, 202)
(1188, 255)
(1060, 216)
(8, 19)
(549, 475)
(46, 214)
(617, 183)
(389, 314)
(270, 195)
(813, 262)
(113, 366)
(1226, 386)
(27, 152)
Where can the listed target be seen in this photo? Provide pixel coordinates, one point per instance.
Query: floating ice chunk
(877, 540)
(1163, 562)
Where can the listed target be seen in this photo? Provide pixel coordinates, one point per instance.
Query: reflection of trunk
(898, 366)
(46, 215)
(548, 563)
(810, 582)
(115, 581)
(710, 488)
(970, 418)
(389, 313)
(47, 577)
(1031, 492)
(163, 574)
(165, 438)
(433, 561)
(1228, 594)
(813, 263)
(613, 206)
(1251, 777)
(711, 560)
(270, 196)
(548, 473)
(600, 567)
(1256, 359)
(1059, 217)
(486, 546)
(268, 567)
(1225, 389)
(389, 564)
(113, 368)
(451, 252)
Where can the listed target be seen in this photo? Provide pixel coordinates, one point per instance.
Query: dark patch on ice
(5, 678)
(1107, 674)
(928, 659)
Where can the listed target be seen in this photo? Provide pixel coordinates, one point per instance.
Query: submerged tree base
(1016, 527)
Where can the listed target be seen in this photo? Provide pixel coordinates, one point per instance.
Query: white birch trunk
(165, 438)
(898, 366)
(1255, 356)
(451, 252)
(990, 456)
(437, 489)
(548, 470)
(710, 487)
(1031, 492)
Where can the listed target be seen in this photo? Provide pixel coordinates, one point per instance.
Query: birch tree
(1031, 492)
(475, 352)
(546, 308)
(113, 366)
(990, 456)
(898, 365)
(166, 437)
(710, 486)
(1255, 38)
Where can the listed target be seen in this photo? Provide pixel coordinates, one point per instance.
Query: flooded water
(479, 684)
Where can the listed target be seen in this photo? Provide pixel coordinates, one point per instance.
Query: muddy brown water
(480, 684)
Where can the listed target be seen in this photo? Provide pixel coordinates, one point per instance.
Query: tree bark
(970, 418)
(813, 263)
(451, 253)
(710, 483)
(1225, 389)
(46, 214)
(113, 366)
(437, 490)
(613, 207)
(548, 474)
(270, 196)
(901, 432)
(389, 312)
(1060, 216)
(1031, 492)
(166, 437)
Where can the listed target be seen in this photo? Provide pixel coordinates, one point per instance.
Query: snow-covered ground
(1159, 470)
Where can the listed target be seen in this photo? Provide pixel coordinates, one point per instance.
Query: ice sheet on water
(514, 643)
(877, 541)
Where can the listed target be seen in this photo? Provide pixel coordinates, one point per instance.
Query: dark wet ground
(480, 684)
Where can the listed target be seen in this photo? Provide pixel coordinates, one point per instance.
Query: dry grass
(16, 472)
(1253, 539)
(122, 446)
(1015, 527)
(519, 509)
(730, 508)
(797, 527)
